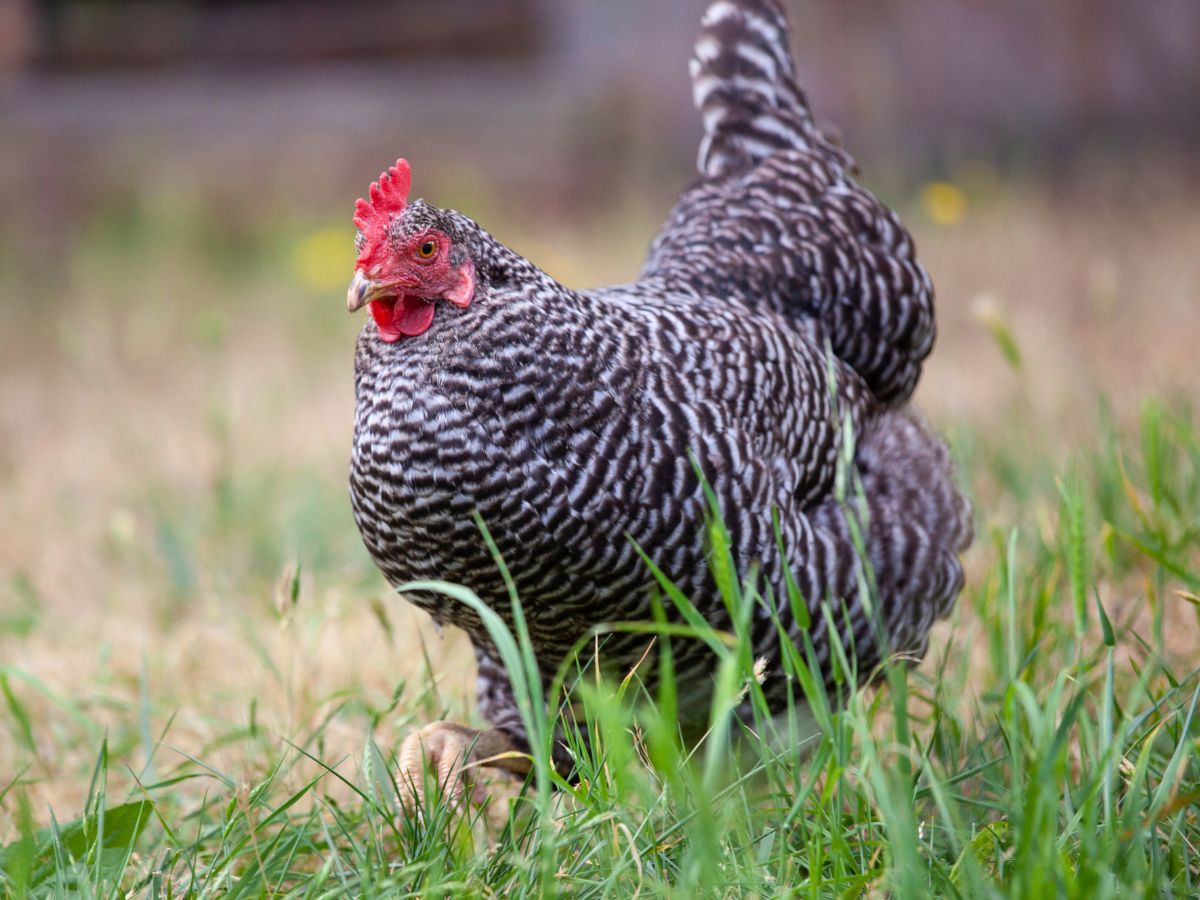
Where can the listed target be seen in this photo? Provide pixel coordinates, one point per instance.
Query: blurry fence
(908, 73)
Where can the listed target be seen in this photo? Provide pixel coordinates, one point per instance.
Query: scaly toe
(435, 758)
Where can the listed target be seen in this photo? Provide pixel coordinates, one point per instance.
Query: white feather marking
(708, 48)
(719, 12)
(759, 57)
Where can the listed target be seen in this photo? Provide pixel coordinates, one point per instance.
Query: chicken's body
(566, 417)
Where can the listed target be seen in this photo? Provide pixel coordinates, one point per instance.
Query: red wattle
(399, 316)
(413, 315)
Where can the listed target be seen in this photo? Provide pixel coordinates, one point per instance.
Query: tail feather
(776, 222)
(744, 85)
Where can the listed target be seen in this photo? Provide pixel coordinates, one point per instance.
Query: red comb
(389, 195)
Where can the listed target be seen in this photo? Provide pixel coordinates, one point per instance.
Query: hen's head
(407, 260)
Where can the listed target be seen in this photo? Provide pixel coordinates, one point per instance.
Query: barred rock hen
(566, 417)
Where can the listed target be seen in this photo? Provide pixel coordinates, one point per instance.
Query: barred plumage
(566, 417)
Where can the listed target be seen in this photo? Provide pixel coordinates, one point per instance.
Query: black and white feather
(566, 417)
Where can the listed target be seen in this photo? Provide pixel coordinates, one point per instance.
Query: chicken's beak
(361, 292)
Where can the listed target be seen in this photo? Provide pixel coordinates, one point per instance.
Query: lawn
(202, 677)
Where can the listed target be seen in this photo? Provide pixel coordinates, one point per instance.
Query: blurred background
(176, 183)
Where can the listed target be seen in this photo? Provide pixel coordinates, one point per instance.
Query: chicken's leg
(451, 754)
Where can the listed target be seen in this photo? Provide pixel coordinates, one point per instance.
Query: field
(203, 676)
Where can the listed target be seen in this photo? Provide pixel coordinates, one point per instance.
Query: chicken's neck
(504, 275)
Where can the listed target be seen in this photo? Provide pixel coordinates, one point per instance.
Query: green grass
(1050, 745)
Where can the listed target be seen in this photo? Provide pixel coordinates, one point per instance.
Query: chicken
(781, 313)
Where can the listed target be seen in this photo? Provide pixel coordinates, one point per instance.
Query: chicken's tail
(744, 85)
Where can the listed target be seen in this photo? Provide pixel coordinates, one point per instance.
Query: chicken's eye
(427, 250)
